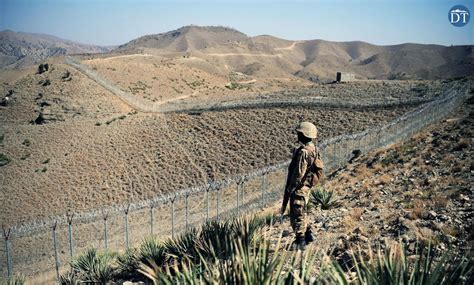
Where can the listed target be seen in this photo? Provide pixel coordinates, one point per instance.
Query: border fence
(44, 248)
(148, 106)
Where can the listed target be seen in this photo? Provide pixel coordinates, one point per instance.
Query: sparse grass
(2, 138)
(45, 161)
(17, 280)
(26, 142)
(325, 199)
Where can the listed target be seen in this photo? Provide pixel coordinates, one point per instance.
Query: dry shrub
(362, 172)
(418, 209)
(456, 168)
(448, 158)
(374, 231)
(385, 179)
(375, 197)
(377, 168)
(440, 201)
(419, 161)
(450, 230)
(426, 235)
(462, 144)
(348, 223)
(356, 213)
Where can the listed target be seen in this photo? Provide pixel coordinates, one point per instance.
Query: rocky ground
(416, 191)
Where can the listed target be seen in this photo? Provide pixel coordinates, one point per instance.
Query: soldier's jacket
(306, 156)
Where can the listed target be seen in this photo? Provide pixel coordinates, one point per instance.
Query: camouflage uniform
(303, 157)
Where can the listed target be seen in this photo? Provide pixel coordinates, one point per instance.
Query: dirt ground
(91, 150)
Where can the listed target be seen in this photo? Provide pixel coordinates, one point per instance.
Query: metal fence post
(127, 244)
(70, 217)
(207, 203)
(56, 259)
(105, 217)
(152, 218)
(217, 198)
(172, 216)
(264, 179)
(6, 236)
(238, 188)
(186, 210)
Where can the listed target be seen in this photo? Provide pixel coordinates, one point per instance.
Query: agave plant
(215, 240)
(184, 246)
(326, 199)
(95, 267)
(393, 267)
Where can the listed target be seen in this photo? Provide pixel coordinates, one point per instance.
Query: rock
(40, 119)
(463, 197)
(437, 226)
(43, 68)
(432, 214)
(44, 82)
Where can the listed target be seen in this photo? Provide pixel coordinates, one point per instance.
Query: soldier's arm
(299, 171)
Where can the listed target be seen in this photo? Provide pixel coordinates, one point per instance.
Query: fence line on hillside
(42, 246)
(145, 105)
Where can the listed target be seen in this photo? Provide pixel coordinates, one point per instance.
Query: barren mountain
(315, 60)
(19, 49)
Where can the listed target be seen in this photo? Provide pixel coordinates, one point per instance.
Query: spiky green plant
(394, 267)
(128, 264)
(261, 263)
(324, 198)
(215, 239)
(95, 267)
(150, 251)
(184, 246)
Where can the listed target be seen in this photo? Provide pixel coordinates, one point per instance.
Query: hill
(315, 60)
(18, 49)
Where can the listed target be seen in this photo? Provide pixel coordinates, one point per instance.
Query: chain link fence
(43, 249)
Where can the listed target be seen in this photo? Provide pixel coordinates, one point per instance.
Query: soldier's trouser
(298, 212)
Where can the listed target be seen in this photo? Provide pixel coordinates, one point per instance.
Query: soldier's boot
(298, 244)
(308, 236)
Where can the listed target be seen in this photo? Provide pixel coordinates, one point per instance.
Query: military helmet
(307, 129)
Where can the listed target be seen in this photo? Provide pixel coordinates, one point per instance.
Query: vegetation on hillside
(237, 251)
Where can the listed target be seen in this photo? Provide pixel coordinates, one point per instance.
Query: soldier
(304, 172)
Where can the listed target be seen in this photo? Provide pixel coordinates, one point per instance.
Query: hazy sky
(113, 22)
